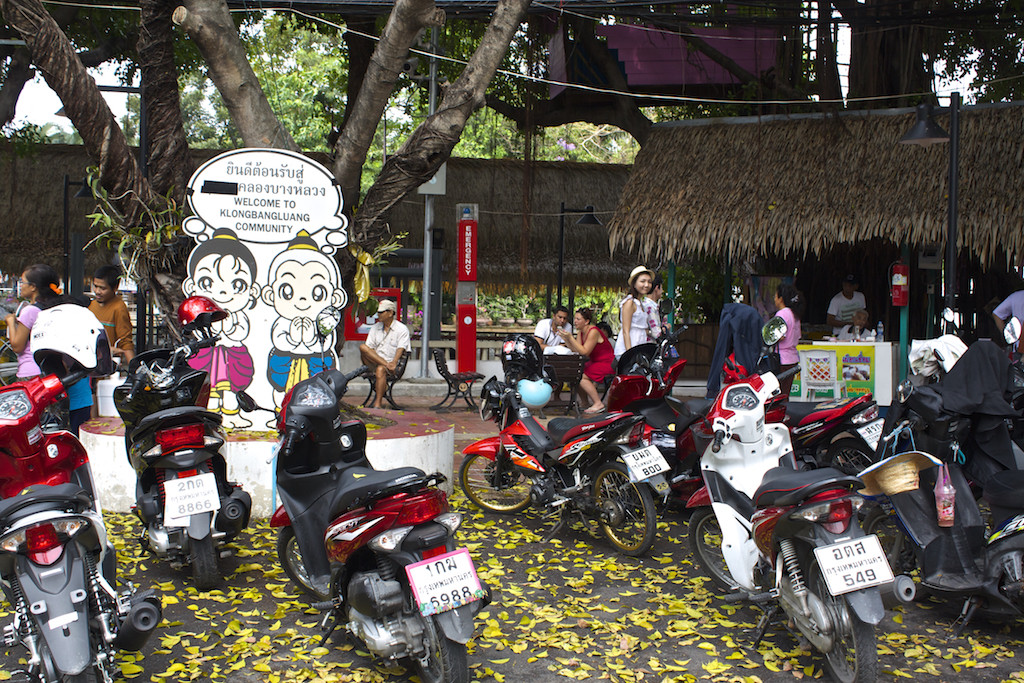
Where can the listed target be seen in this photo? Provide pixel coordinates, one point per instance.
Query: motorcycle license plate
(644, 463)
(871, 432)
(853, 565)
(444, 582)
(187, 496)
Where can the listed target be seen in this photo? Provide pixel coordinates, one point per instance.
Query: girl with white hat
(638, 310)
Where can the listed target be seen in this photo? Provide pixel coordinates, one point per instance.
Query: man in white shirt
(547, 329)
(844, 304)
(385, 343)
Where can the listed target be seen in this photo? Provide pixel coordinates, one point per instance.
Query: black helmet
(522, 358)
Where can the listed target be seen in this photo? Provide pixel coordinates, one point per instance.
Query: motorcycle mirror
(904, 390)
(246, 402)
(327, 321)
(1011, 331)
(947, 314)
(773, 331)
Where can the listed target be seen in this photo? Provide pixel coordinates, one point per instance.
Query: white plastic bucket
(105, 395)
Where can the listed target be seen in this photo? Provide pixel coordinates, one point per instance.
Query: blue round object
(535, 392)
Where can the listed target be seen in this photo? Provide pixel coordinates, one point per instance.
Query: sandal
(593, 410)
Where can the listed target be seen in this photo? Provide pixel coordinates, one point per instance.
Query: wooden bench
(460, 384)
(568, 371)
(392, 378)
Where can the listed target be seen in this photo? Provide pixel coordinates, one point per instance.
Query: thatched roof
(519, 218)
(797, 185)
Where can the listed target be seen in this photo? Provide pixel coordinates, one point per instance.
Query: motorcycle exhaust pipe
(234, 512)
(140, 622)
(904, 588)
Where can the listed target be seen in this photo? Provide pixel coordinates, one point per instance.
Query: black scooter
(182, 493)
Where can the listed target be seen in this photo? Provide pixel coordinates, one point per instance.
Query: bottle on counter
(879, 332)
(945, 497)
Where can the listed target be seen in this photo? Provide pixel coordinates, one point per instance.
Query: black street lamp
(924, 133)
(588, 218)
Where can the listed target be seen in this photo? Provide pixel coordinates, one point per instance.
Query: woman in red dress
(595, 346)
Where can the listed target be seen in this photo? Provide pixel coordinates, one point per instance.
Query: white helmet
(68, 337)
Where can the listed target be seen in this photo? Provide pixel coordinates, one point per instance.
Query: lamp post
(924, 133)
(588, 218)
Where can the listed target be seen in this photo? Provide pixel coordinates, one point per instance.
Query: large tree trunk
(432, 142)
(406, 20)
(169, 162)
(208, 23)
(55, 58)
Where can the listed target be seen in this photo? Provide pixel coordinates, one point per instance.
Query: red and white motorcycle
(784, 538)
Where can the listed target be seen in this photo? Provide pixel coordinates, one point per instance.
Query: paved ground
(569, 609)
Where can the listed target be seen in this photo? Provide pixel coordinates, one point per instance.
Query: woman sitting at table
(594, 344)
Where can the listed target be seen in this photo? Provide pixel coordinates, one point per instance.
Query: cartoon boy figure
(302, 282)
(223, 269)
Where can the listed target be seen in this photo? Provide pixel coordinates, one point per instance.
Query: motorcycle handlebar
(140, 380)
(716, 445)
(788, 373)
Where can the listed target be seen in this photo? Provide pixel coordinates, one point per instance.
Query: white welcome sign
(266, 224)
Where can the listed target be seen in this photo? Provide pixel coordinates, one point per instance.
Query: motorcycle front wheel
(706, 545)
(203, 557)
(446, 660)
(853, 657)
(290, 558)
(504, 493)
(628, 515)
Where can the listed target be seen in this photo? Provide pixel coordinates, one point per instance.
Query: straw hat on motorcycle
(896, 474)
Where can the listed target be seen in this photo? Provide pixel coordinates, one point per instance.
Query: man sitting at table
(547, 329)
(857, 330)
(385, 343)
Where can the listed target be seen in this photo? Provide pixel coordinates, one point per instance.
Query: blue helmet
(535, 392)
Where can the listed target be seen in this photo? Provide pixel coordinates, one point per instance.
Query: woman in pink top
(790, 304)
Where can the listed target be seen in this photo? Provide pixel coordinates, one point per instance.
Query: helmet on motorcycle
(535, 392)
(67, 338)
(521, 358)
(198, 313)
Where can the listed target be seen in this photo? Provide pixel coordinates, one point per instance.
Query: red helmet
(197, 312)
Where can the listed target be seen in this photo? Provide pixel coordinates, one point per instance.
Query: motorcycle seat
(562, 429)
(41, 498)
(785, 486)
(360, 483)
(798, 411)
(173, 417)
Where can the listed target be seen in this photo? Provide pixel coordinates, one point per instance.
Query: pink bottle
(945, 497)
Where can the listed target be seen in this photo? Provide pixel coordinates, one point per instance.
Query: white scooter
(784, 538)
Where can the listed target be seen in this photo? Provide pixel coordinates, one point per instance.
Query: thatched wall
(31, 223)
(519, 205)
(797, 186)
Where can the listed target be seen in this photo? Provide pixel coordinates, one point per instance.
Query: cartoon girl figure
(302, 282)
(223, 269)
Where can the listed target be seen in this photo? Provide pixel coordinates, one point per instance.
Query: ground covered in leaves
(570, 608)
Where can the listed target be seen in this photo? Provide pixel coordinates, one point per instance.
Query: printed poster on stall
(856, 367)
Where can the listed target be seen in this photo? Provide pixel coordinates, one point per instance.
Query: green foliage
(26, 138)
(700, 290)
(144, 247)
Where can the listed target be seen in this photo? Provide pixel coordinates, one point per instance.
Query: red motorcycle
(599, 467)
(57, 568)
(378, 548)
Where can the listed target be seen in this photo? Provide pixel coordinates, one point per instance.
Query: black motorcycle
(182, 494)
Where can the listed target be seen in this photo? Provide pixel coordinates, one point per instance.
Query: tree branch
(55, 58)
(209, 24)
(432, 142)
(404, 23)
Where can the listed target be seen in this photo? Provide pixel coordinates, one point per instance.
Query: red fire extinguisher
(899, 276)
